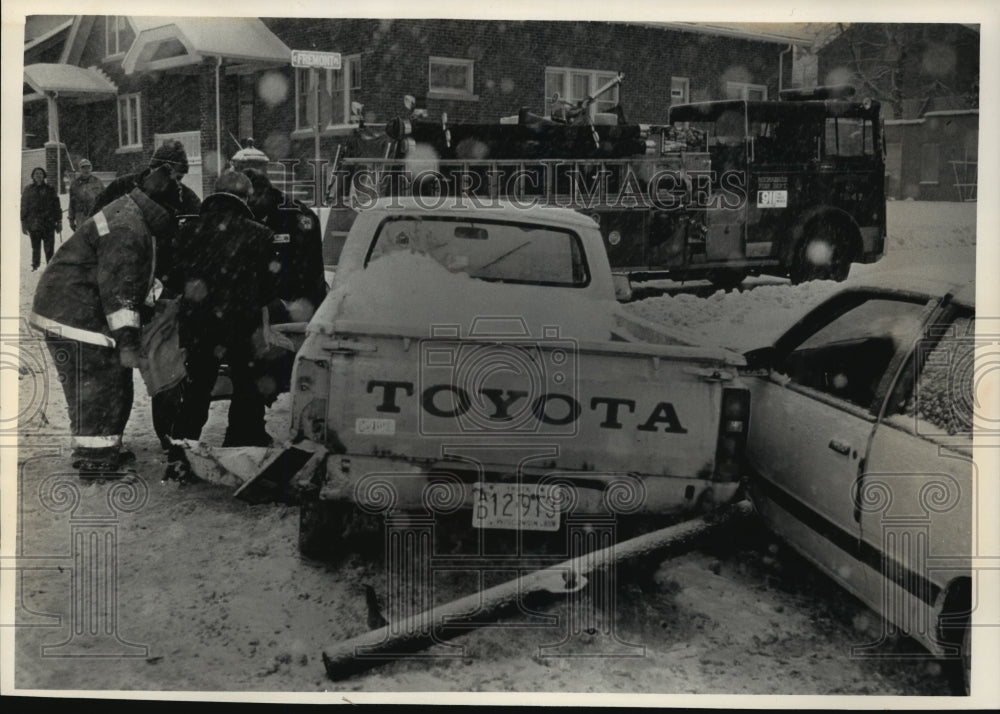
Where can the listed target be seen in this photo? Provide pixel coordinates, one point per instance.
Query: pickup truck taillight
(733, 426)
(310, 386)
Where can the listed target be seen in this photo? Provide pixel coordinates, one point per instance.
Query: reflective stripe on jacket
(101, 275)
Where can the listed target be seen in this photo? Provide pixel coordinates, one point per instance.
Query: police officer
(299, 285)
(297, 252)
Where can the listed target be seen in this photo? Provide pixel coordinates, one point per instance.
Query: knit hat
(170, 152)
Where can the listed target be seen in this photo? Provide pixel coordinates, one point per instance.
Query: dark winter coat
(100, 277)
(83, 193)
(183, 202)
(220, 268)
(297, 251)
(40, 209)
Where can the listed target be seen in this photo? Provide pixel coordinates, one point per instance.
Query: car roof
(493, 209)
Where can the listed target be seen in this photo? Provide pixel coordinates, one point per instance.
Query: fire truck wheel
(823, 254)
(724, 279)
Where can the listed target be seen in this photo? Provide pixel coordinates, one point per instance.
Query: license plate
(526, 507)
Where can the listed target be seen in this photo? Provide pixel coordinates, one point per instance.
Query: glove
(129, 357)
(129, 348)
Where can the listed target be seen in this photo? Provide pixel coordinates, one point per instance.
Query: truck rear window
(501, 251)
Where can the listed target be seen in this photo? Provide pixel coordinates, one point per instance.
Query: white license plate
(525, 507)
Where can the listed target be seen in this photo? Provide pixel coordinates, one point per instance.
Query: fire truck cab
(793, 187)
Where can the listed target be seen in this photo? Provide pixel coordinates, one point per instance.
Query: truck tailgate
(618, 407)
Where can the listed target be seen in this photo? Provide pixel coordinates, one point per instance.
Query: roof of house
(811, 35)
(68, 80)
(172, 41)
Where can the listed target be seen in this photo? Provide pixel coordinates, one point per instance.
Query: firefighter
(220, 272)
(299, 285)
(180, 199)
(87, 304)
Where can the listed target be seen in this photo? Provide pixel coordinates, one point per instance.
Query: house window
(744, 90)
(336, 90)
(572, 85)
(450, 77)
(930, 155)
(117, 35)
(129, 121)
(680, 88)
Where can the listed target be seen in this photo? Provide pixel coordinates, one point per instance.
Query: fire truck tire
(726, 279)
(823, 254)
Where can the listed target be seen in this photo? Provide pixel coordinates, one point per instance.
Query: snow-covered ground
(215, 592)
(935, 238)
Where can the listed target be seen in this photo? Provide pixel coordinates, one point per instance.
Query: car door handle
(841, 447)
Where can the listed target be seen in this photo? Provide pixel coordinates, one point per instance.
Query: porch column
(53, 147)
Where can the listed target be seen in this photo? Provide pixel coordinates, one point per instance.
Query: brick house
(111, 88)
(209, 81)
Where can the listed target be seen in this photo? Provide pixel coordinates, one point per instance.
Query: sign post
(314, 62)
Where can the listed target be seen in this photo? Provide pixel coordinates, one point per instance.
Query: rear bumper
(379, 485)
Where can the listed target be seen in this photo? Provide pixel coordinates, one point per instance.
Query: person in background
(41, 217)
(83, 193)
(299, 286)
(87, 304)
(220, 273)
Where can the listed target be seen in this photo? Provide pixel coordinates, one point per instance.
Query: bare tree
(887, 60)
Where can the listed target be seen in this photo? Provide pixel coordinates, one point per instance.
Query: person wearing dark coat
(220, 273)
(297, 253)
(299, 286)
(88, 304)
(41, 216)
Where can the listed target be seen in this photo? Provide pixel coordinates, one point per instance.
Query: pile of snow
(930, 225)
(736, 320)
(414, 292)
(926, 240)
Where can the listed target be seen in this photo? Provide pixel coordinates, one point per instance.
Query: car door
(812, 418)
(916, 497)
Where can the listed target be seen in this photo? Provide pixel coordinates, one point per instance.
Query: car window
(489, 250)
(942, 399)
(848, 356)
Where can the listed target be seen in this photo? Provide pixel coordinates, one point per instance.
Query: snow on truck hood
(412, 293)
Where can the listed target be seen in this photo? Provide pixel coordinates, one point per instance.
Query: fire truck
(724, 189)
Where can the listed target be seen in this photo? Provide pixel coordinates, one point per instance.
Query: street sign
(307, 59)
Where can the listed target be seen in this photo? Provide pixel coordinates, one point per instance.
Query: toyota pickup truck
(475, 360)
